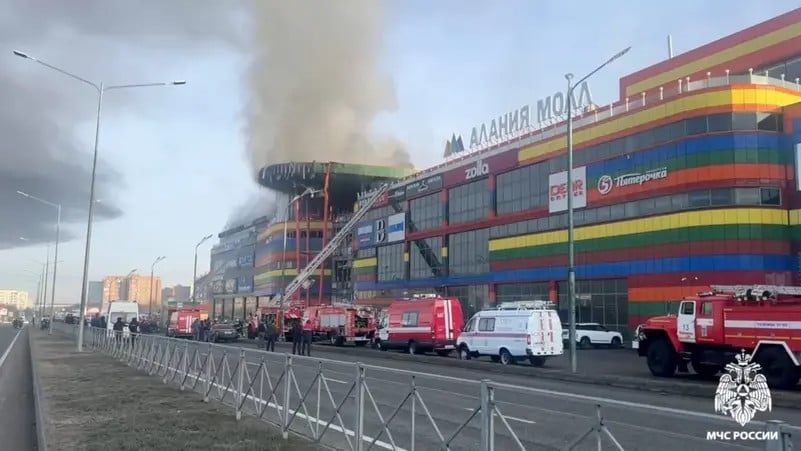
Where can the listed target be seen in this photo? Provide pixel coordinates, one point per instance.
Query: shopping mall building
(689, 179)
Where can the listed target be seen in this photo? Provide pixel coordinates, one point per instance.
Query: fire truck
(179, 321)
(342, 324)
(712, 327)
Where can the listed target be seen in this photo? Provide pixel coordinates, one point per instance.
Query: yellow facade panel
(365, 262)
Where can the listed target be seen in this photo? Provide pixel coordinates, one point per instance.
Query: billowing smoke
(317, 86)
(41, 114)
(261, 203)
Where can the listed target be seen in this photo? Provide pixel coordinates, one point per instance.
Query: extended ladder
(332, 245)
(757, 290)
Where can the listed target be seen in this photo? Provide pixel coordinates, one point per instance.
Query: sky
(175, 163)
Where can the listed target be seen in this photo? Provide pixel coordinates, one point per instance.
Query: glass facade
(426, 213)
(537, 291)
(474, 298)
(469, 202)
(425, 261)
(390, 262)
(468, 252)
(598, 301)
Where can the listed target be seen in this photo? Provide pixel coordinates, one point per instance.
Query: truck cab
(711, 328)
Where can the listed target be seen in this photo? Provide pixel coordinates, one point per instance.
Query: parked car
(223, 332)
(593, 334)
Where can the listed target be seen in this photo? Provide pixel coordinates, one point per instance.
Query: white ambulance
(515, 331)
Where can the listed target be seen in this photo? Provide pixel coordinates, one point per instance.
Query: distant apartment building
(17, 298)
(178, 292)
(134, 288)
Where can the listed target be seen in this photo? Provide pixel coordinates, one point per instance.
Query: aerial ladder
(332, 245)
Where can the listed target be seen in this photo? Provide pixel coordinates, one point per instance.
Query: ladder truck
(302, 278)
(713, 327)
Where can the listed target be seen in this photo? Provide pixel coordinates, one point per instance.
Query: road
(17, 414)
(544, 414)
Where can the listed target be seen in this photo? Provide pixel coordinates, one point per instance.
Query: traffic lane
(17, 411)
(446, 409)
(540, 422)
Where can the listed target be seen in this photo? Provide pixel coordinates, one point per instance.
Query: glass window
(486, 324)
(747, 196)
(470, 202)
(770, 196)
(706, 308)
(718, 122)
(698, 198)
(538, 291)
(426, 213)
(522, 189)
(743, 121)
(409, 319)
(724, 196)
(695, 125)
(391, 265)
(768, 122)
(425, 258)
(468, 252)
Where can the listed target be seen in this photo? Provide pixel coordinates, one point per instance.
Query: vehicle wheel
(464, 353)
(412, 348)
(444, 353)
(506, 357)
(616, 343)
(360, 343)
(339, 341)
(585, 342)
(662, 359)
(495, 358)
(537, 360)
(777, 367)
(704, 370)
(380, 345)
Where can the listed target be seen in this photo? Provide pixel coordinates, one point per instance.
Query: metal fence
(353, 406)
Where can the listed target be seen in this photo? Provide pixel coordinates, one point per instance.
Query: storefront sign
(397, 194)
(558, 192)
(218, 287)
(479, 169)
(519, 121)
(380, 231)
(431, 184)
(245, 284)
(364, 233)
(230, 286)
(606, 182)
(396, 226)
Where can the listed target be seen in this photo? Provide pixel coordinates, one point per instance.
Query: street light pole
(152, 270)
(100, 88)
(281, 300)
(571, 265)
(55, 258)
(194, 272)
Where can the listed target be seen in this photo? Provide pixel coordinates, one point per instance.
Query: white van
(127, 310)
(514, 331)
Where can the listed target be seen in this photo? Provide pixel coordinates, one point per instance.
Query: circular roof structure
(347, 180)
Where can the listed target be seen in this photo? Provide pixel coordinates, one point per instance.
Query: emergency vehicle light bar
(757, 290)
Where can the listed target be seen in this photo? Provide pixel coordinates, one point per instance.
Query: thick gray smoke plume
(317, 85)
(261, 203)
(40, 113)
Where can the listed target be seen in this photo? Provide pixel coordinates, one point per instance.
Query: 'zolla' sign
(517, 121)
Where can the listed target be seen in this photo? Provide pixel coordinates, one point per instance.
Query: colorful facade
(688, 180)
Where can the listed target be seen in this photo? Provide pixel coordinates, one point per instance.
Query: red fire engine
(424, 323)
(712, 327)
(341, 324)
(179, 321)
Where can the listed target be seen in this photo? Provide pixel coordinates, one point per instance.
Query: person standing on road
(196, 329)
(308, 331)
(297, 338)
(118, 327)
(269, 337)
(133, 327)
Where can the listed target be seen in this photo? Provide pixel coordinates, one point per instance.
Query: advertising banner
(397, 194)
(364, 233)
(230, 286)
(218, 287)
(245, 284)
(396, 227)
(245, 260)
(380, 231)
(429, 185)
(557, 190)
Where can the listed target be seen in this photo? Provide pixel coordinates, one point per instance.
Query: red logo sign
(559, 192)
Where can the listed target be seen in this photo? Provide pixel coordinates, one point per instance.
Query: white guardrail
(353, 406)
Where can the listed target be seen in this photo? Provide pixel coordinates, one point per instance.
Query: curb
(788, 399)
(41, 436)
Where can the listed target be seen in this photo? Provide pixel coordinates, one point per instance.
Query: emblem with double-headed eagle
(742, 390)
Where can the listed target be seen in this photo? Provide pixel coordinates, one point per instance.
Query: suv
(593, 334)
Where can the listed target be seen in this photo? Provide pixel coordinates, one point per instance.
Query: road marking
(297, 414)
(506, 416)
(8, 349)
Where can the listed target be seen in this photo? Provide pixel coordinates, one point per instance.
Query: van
(423, 323)
(513, 332)
(127, 310)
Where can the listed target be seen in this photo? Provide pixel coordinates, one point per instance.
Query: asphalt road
(543, 414)
(17, 414)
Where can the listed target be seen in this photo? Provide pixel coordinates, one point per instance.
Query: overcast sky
(176, 162)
